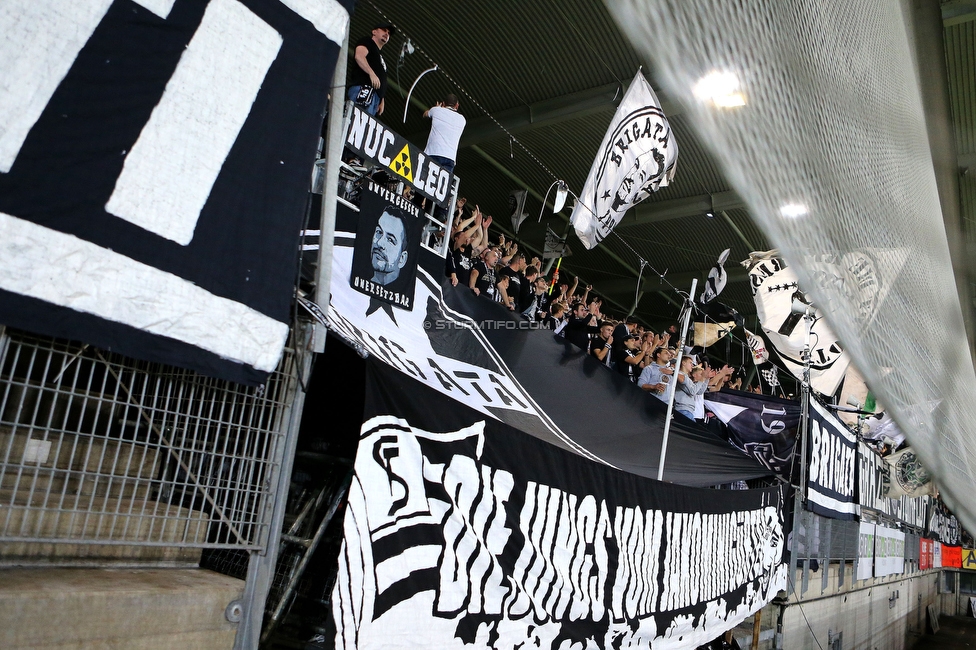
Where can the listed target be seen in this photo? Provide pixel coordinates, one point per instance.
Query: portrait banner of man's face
(384, 263)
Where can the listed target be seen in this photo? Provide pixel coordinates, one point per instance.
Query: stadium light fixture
(720, 89)
(559, 202)
(794, 210)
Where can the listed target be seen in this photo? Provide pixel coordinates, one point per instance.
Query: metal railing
(826, 551)
(97, 448)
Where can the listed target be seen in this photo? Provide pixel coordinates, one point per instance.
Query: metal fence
(820, 542)
(97, 448)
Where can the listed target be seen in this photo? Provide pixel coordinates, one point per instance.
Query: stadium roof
(539, 82)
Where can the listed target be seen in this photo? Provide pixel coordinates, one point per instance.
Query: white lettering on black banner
(833, 458)
(442, 549)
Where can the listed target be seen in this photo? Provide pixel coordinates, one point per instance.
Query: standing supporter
(656, 377)
(457, 264)
(565, 290)
(367, 79)
(538, 308)
(717, 378)
(580, 326)
(594, 305)
(446, 126)
(627, 361)
(556, 319)
(624, 329)
(600, 344)
(698, 376)
(527, 290)
(516, 265)
(502, 286)
(482, 277)
(688, 389)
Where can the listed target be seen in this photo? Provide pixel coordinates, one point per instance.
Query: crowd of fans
(499, 271)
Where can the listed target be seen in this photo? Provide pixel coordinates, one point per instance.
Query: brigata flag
(638, 155)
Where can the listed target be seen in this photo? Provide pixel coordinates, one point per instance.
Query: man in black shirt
(580, 326)
(482, 277)
(627, 360)
(367, 78)
(515, 279)
(624, 329)
(600, 344)
(539, 301)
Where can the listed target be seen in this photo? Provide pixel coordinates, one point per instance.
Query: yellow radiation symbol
(401, 164)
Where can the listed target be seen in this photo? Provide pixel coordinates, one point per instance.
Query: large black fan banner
(462, 532)
(761, 426)
(871, 469)
(154, 164)
(475, 351)
(831, 472)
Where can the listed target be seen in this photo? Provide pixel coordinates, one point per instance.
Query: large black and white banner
(462, 532)
(870, 491)
(638, 156)
(943, 525)
(831, 474)
(154, 162)
(773, 284)
(761, 426)
(475, 351)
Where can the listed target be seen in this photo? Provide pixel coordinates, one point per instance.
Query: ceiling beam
(546, 112)
(958, 11)
(682, 281)
(690, 206)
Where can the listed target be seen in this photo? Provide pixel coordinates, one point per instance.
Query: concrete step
(109, 608)
(47, 554)
(89, 517)
(79, 452)
(72, 407)
(66, 482)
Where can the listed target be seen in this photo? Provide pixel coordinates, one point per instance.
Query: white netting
(829, 151)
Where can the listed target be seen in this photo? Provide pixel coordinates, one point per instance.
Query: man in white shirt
(445, 132)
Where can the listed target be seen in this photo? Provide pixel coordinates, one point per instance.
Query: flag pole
(674, 379)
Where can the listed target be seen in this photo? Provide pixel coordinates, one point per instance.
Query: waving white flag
(638, 155)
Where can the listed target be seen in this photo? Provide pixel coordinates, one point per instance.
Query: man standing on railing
(367, 79)
(446, 126)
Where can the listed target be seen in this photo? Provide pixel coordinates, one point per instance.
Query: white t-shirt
(445, 132)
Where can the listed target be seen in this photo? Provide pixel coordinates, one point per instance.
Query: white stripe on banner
(71, 272)
(159, 7)
(414, 558)
(39, 42)
(843, 507)
(327, 16)
(168, 175)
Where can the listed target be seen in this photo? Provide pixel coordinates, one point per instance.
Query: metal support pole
(261, 565)
(332, 152)
(674, 380)
(800, 493)
(289, 590)
(805, 404)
